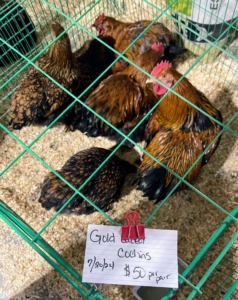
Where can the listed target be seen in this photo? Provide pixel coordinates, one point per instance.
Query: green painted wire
(198, 258)
(29, 62)
(190, 284)
(12, 30)
(214, 280)
(85, 89)
(77, 191)
(94, 36)
(190, 185)
(86, 199)
(10, 11)
(91, 34)
(231, 290)
(47, 224)
(52, 170)
(213, 266)
(45, 131)
(149, 75)
(6, 215)
(120, 54)
(23, 37)
(158, 162)
(41, 242)
(167, 92)
(74, 23)
(31, 144)
(161, 100)
(213, 44)
(154, 108)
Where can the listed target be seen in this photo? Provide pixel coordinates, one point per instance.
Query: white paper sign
(149, 262)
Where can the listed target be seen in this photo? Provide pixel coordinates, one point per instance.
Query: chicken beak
(150, 80)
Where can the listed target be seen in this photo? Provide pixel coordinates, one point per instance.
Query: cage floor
(23, 271)
(25, 275)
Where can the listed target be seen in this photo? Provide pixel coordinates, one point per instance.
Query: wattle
(158, 89)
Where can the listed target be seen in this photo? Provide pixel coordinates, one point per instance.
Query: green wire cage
(208, 236)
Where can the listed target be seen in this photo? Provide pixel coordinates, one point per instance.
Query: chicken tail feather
(153, 184)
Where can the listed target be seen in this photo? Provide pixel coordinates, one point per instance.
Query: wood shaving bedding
(25, 274)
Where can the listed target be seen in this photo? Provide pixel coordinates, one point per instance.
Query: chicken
(37, 97)
(93, 59)
(125, 33)
(17, 29)
(103, 188)
(122, 99)
(176, 135)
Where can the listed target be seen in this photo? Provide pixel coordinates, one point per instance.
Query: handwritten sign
(149, 262)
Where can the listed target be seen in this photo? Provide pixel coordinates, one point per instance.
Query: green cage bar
(77, 17)
(215, 237)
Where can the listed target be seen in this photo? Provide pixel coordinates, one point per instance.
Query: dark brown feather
(122, 99)
(103, 189)
(37, 97)
(93, 59)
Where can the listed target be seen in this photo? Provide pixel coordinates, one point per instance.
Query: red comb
(160, 66)
(158, 47)
(99, 19)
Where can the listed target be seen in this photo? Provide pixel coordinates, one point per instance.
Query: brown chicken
(176, 135)
(93, 59)
(37, 97)
(125, 33)
(103, 189)
(122, 99)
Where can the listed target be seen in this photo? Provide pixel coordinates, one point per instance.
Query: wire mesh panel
(30, 153)
(223, 281)
(212, 285)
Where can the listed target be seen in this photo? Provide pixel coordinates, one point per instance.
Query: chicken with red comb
(125, 33)
(159, 89)
(176, 134)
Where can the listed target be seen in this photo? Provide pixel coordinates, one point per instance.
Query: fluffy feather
(103, 189)
(37, 98)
